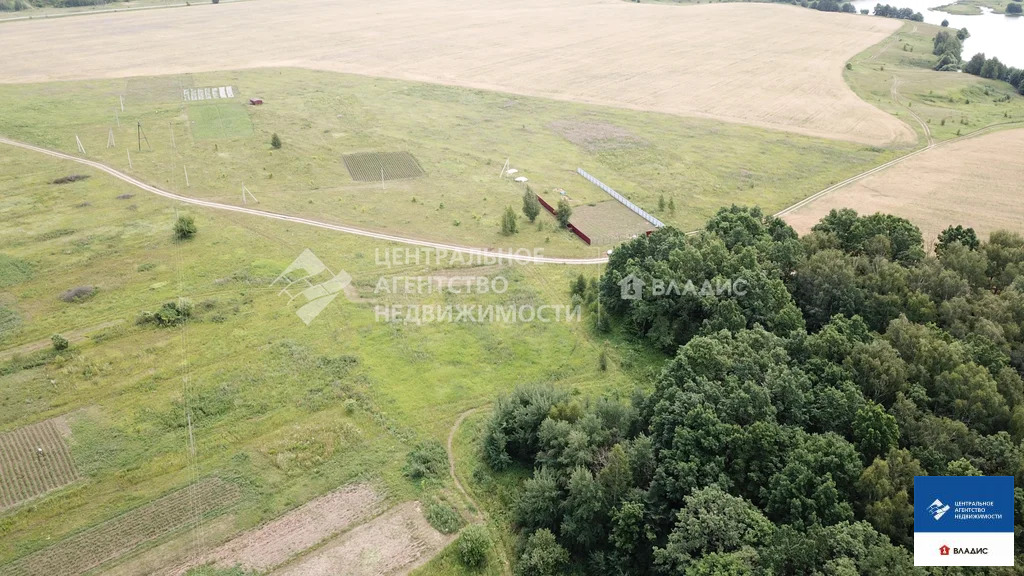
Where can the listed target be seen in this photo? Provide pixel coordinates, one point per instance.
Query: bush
(563, 212)
(427, 459)
(1014, 8)
(443, 517)
(531, 205)
(78, 294)
(185, 227)
(509, 225)
(70, 179)
(170, 314)
(275, 141)
(472, 546)
(60, 343)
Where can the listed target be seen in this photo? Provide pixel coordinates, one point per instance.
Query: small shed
(256, 101)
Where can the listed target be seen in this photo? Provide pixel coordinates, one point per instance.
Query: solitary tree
(275, 141)
(509, 225)
(531, 205)
(945, 23)
(185, 227)
(671, 206)
(563, 212)
(1014, 8)
(661, 203)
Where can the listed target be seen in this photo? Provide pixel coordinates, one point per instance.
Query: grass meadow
(461, 138)
(283, 410)
(948, 103)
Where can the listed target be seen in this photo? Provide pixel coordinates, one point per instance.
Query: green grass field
(948, 103)
(268, 392)
(973, 7)
(219, 120)
(461, 138)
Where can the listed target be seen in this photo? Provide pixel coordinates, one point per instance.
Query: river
(994, 34)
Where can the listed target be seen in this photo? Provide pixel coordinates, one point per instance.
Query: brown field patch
(34, 460)
(608, 222)
(729, 61)
(276, 542)
(974, 182)
(393, 543)
(92, 547)
(596, 136)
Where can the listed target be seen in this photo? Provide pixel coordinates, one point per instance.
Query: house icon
(943, 550)
(631, 287)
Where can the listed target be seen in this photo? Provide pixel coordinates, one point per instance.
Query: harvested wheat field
(975, 182)
(276, 542)
(394, 543)
(766, 65)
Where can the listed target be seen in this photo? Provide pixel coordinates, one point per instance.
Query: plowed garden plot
(393, 543)
(608, 222)
(33, 461)
(372, 166)
(113, 538)
(277, 541)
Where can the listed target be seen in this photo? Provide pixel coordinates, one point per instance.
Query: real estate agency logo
(945, 550)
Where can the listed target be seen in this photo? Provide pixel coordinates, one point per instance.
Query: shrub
(443, 517)
(170, 314)
(509, 225)
(275, 141)
(185, 227)
(602, 361)
(472, 546)
(531, 205)
(563, 212)
(426, 459)
(59, 342)
(78, 294)
(70, 179)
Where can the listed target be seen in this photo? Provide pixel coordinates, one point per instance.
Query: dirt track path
(502, 256)
(894, 91)
(482, 252)
(479, 514)
(73, 336)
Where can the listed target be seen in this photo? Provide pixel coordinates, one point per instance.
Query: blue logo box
(963, 504)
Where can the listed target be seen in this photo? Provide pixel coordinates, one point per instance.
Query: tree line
(887, 11)
(783, 434)
(993, 69)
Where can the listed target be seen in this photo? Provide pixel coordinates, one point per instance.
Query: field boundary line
(46, 16)
(482, 252)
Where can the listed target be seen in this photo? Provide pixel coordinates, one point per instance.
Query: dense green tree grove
(993, 69)
(784, 432)
(887, 11)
